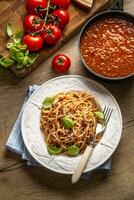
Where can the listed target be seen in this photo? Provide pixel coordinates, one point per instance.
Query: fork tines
(107, 113)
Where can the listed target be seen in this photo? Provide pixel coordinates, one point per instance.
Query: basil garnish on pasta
(53, 150)
(73, 150)
(100, 117)
(67, 122)
(47, 102)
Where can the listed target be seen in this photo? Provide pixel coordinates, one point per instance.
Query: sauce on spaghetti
(107, 47)
(69, 121)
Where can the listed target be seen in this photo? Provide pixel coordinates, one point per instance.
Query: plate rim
(87, 79)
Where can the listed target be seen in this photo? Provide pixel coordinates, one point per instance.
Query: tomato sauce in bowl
(107, 47)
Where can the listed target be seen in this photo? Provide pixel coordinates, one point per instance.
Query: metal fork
(88, 151)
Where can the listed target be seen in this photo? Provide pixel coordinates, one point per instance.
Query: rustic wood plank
(32, 183)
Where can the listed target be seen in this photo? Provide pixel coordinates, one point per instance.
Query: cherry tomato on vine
(51, 34)
(60, 18)
(32, 23)
(61, 63)
(34, 43)
(60, 3)
(36, 7)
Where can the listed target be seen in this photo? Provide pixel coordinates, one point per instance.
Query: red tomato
(61, 63)
(61, 3)
(60, 18)
(51, 34)
(36, 6)
(34, 43)
(32, 23)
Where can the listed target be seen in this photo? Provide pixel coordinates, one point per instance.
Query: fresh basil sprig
(18, 53)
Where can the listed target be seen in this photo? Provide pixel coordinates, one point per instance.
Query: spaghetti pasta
(69, 120)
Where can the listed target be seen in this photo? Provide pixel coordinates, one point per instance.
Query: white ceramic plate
(34, 139)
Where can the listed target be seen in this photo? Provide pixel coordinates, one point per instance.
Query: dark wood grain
(13, 11)
(38, 183)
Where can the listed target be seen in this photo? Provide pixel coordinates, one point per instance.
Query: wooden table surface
(37, 183)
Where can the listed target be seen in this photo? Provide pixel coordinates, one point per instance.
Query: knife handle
(82, 163)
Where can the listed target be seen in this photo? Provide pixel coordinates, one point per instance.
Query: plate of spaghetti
(69, 121)
(60, 119)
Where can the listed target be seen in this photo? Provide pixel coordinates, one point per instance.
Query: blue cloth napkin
(15, 142)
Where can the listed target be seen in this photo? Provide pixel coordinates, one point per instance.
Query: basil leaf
(73, 150)
(6, 62)
(67, 122)
(19, 36)
(47, 102)
(22, 47)
(19, 55)
(53, 150)
(9, 45)
(20, 58)
(13, 51)
(9, 30)
(31, 59)
(100, 117)
(15, 42)
(25, 60)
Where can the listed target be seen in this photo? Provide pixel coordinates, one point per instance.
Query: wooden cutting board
(14, 11)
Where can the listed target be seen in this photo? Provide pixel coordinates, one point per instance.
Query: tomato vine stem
(47, 12)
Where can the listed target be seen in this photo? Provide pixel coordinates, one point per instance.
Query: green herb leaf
(18, 52)
(73, 150)
(22, 60)
(67, 122)
(54, 150)
(9, 30)
(19, 55)
(31, 59)
(13, 51)
(19, 35)
(100, 117)
(9, 45)
(6, 62)
(25, 60)
(22, 47)
(47, 102)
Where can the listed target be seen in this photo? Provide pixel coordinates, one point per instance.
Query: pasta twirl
(69, 120)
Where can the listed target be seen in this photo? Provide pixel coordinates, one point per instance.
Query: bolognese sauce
(107, 47)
